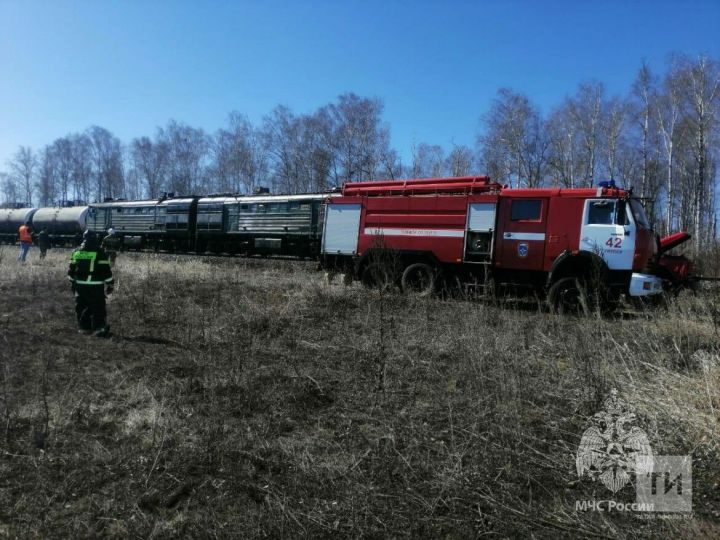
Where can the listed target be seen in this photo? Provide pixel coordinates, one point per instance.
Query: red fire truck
(577, 247)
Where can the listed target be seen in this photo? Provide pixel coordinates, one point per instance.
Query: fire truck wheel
(567, 297)
(418, 279)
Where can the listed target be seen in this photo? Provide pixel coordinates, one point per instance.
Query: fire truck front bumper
(645, 285)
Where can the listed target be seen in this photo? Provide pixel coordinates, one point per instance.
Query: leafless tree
(62, 156)
(358, 139)
(188, 156)
(149, 160)
(47, 176)
(107, 163)
(81, 165)
(514, 145)
(585, 110)
(428, 161)
(613, 123)
(23, 168)
(460, 161)
(668, 124)
(700, 89)
(237, 155)
(9, 188)
(642, 105)
(563, 148)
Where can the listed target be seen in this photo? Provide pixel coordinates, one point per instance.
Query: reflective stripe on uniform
(88, 282)
(86, 256)
(79, 255)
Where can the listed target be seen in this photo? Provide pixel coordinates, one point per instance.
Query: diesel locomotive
(259, 224)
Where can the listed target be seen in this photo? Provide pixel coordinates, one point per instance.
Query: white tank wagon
(64, 224)
(10, 221)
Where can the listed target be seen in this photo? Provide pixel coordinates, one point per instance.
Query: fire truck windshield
(607, 212)
(639, 214)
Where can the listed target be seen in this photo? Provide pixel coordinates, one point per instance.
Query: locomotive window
(525, 210)
(293, 206)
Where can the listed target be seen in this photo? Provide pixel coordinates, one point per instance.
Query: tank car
(64, 224)
(10, 221)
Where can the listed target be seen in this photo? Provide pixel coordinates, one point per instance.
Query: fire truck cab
(576, 246)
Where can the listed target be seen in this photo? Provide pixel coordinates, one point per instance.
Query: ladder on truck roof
(427, 186)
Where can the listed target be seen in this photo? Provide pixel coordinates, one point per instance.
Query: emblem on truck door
(523, 249)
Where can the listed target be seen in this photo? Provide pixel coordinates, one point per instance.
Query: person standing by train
(25, 234)
(111, 244)
(91, 278)
(43, 241)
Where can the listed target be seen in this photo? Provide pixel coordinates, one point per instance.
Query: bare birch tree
(23, 168)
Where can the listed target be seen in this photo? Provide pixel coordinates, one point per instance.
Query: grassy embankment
(248, 398)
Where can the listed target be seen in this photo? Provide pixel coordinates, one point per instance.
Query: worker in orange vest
(25, 233)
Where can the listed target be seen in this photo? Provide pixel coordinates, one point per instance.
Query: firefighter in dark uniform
(91, 278)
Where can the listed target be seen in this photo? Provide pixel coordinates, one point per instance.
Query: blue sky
(132, 65)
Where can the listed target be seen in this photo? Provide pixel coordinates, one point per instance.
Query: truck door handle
(508, 235)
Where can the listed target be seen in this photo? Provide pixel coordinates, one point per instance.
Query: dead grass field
(247, 398)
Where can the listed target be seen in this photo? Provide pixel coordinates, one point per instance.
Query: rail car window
(525, 210)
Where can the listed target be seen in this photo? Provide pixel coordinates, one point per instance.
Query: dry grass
(247, 398)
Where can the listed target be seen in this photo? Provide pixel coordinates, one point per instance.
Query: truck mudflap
(645, 285)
